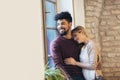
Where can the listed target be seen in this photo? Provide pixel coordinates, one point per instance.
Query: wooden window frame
(46, 28)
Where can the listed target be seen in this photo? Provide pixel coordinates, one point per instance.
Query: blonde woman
(88, 55)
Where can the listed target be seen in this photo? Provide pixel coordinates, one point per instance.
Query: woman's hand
(70, 61)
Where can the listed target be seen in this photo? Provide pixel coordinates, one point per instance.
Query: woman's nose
(77, 38)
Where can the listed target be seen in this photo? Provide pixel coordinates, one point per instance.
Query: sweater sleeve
(56, 53)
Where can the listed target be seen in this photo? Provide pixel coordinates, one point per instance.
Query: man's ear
(70, 24)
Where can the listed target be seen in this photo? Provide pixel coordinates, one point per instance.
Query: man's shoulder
(57, 40)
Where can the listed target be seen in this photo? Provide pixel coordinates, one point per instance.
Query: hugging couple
(73, 51)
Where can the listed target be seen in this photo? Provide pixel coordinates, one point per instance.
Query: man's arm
(92, 59)
(56, 51)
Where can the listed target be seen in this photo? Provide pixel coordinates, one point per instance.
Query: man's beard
(63, 32)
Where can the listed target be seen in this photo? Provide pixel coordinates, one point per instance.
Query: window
(50, 27)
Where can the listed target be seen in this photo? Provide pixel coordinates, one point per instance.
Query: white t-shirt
(87, 57)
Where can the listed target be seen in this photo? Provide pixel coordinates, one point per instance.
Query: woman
(88, 55)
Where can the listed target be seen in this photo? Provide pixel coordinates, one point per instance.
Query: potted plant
(53, 73)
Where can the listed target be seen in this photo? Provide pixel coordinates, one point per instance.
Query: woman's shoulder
(90, 43)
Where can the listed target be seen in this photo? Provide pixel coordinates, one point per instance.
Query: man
(64, 47)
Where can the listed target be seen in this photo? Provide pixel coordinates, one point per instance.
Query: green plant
(53, 74)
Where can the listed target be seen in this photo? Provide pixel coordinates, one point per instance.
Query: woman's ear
(79, 31)
(82, 32)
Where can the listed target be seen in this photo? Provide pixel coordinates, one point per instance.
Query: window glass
(50, 13)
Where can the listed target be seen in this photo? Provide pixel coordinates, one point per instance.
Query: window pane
(50, 13)
(50, 62)
(51, 34)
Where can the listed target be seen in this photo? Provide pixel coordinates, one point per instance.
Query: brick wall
(93, 10)
(102, 19)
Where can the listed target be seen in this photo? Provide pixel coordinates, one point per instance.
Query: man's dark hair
(63, 15)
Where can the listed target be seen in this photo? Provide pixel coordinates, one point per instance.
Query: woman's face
(78, 36)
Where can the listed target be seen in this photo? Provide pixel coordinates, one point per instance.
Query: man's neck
(68, 36)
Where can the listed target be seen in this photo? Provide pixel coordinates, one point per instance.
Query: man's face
(63, 26)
